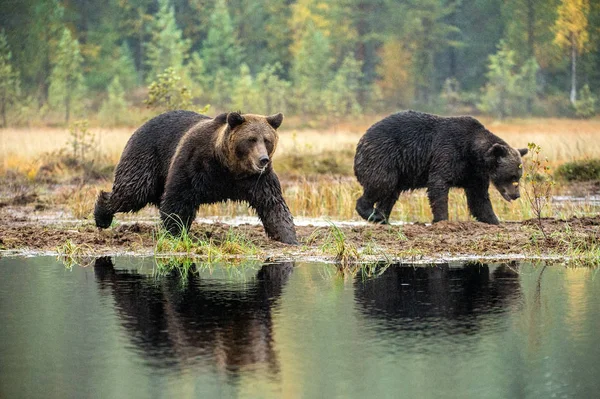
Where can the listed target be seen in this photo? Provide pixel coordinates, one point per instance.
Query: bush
(585, 107)
(582, 170)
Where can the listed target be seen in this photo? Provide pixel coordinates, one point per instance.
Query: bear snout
(263, 161)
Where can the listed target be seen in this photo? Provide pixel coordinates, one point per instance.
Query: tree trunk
(573, 96)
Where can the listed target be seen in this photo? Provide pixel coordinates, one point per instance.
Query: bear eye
(252, 139)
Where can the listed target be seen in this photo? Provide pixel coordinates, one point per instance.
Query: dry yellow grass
(561, 140)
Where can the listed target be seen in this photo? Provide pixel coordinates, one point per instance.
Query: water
(114, 329)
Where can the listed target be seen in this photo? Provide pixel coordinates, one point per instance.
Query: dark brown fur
(180, 160)
(411, 150)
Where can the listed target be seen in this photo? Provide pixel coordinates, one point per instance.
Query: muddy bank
(23, 229)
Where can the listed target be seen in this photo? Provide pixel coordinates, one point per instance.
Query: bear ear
(497, 151)
(221, 118)
(234, 119)
(275, 120)
(523, 151)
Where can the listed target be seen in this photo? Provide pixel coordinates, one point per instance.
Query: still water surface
(116, 330)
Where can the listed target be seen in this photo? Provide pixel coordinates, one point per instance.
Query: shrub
(581, 170)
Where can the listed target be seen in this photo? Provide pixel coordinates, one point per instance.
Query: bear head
(506, 169)
(247, 142)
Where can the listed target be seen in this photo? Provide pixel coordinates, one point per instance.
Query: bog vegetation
(77, 77)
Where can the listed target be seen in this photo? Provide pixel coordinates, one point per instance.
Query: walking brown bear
(181, 159)
(410, 150)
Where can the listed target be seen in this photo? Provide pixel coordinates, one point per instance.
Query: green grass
(337, 245)
(72, 254)
(232, 245)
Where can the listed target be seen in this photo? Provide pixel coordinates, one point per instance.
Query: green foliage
(341, 95)
(585, 106)
(124, 68)
(264, 94)
(66, 80)
(244, 94)
(274, 91)
(311, 70)
(407, 51)
(166, 48)
(82, 141)
(508, 87)
(168, 92)
(114, 108)
(10, 82)
(538, 182)
(582, 170)
(337, 244)
(220, 50)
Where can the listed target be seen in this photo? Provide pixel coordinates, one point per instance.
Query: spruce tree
(166, 48)
(341, 95)
(66, 79)
(273, 90)
(244, 95)
(220, 51)
(9, 78)
(115, 105)
(311, 70)
(508, 88)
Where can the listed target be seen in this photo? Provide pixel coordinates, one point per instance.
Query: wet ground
(29, 229)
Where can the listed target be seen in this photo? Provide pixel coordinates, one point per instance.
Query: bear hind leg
(365, 208)
(385, 206)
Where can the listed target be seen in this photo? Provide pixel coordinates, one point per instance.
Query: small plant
(168, 92)
(72, 254)
(539, 183)
(336, 243)
(81, 141)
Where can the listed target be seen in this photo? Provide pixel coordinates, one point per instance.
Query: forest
(62, 60)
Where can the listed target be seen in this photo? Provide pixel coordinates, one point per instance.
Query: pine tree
(220, 51)
(311, 70)
(244, 94)
(115, 105)
(572, 35)
(508, 88)
(10, 83)
(66, 79)
(341, 95)
(125, 68)
(166, 48)
(274, 91)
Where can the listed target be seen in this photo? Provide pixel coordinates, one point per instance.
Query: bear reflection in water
(441, 292)
(226, 325)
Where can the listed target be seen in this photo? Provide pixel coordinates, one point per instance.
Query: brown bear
(410, 150)
(181, 159)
